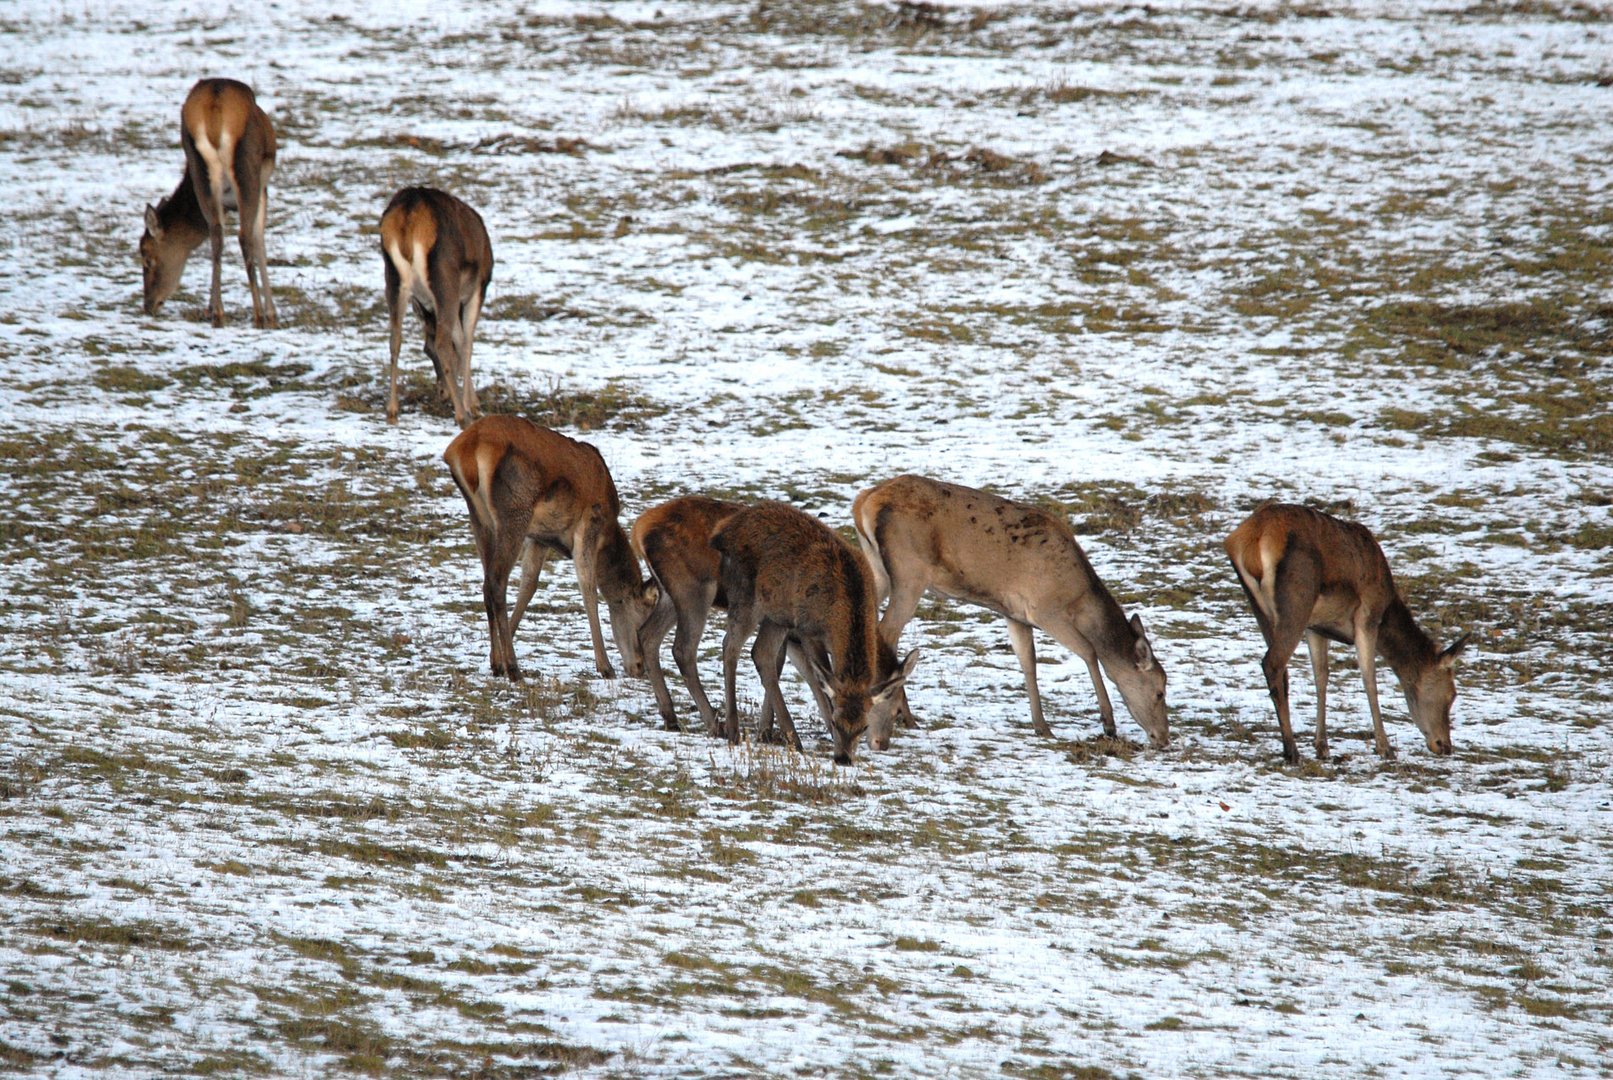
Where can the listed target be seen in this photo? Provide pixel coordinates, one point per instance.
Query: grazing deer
(1310, 575)
(229, 154)
(533, 492)
(674, 540)
(1019, 561)
(436, 253)
(785, 574)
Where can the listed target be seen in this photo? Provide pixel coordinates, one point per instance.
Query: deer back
(800, 574)
(423, 227)
(529, 477)
(1348, 567)
(674, 540)
(1013, 558)
(224, 115)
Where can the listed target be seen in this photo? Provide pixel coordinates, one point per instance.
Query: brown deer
(674, 540)
(533, 492)
(1310, 575)
(435, 252)
(1019, 561)
(785, 574)
(229, 153)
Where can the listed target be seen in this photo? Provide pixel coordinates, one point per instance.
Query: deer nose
(1442, 746)
(879, 742)
(842, 758)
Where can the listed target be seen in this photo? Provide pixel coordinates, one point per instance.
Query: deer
(229, 149)
(533, 493)
(435, 252)
(786, 574)
(1309, 574)
(922, 535)
(674, 540)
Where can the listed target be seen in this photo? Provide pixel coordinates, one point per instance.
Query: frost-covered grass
(263, 810)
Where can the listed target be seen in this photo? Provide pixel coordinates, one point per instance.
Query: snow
(266, 811)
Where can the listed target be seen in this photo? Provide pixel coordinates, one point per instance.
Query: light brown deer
(229, 153)
(785, 574)
(674, 540)
(1311, 575)
(436, 253)
(1021, 562)
(533, 492)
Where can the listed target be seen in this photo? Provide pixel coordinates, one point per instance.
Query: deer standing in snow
(1311, 575)
(785, 574)
(1019, 561)
(229, 153)
(436, 253)
(674, 540)
(533, 492)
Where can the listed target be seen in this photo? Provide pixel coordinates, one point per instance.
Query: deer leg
(798, 654)
(742, 623)
(904, 604)
(588, 580)
(651, 633)
(215, 234)
(1105, 709)
(428, 320)
(394, 307)
(246, 214)
(1020, 636)
(261, 251)
(1291, 595)
(533, 556)
(450, 334)
(686, 651)
(764, 723)
(468, 314)
(768, 655)
(1316, 644)
(1366, 653)
(499, 551)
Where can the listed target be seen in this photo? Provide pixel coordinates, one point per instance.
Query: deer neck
(1402, 642)
(856, 632)
(181, 215)
(1097, 616)
(617, 569)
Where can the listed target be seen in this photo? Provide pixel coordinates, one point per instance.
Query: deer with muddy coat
(1019, 561)
(1313, 576)
(229, 153)
(533, 493)
(786, 575)
(674, 540)
(436, 254)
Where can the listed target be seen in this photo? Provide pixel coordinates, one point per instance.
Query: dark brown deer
(674, 540)
(436, 253)
(785, 574)
(1311, 575)
(229, 153)
(533, 492)
(1019, 561)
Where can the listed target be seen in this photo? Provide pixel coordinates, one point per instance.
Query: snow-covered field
(264, 811)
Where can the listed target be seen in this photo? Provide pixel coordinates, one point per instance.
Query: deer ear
(884, 690)
(1448, 657)
(153, 225)
(1143, 651)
